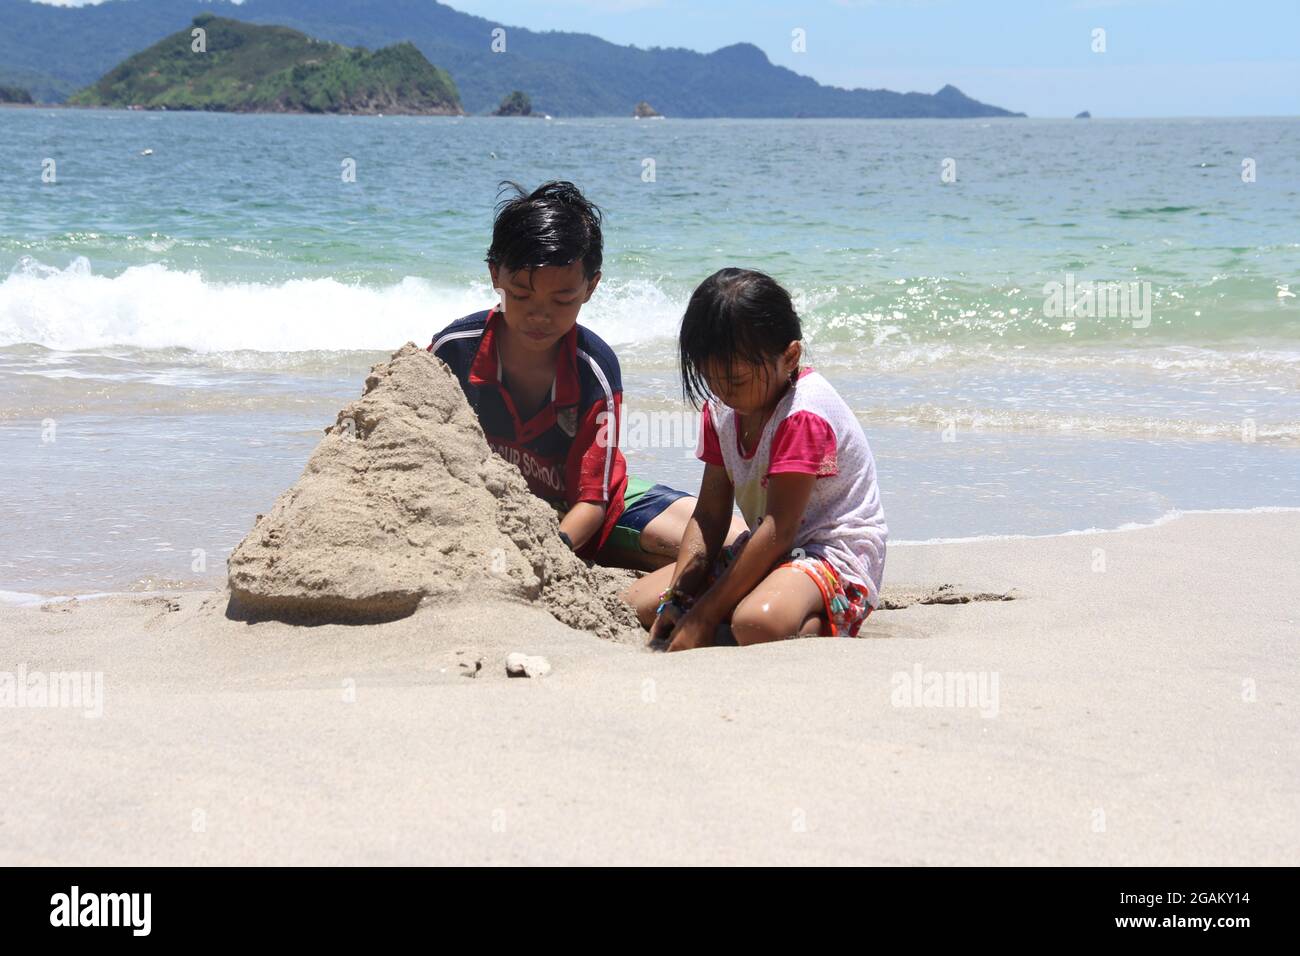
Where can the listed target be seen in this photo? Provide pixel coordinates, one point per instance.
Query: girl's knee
(755, 623)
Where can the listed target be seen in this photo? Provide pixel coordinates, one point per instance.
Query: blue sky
(1162, 58)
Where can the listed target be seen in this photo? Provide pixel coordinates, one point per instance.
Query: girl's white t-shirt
(811, 431)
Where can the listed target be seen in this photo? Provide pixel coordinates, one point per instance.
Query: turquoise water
(191, 318)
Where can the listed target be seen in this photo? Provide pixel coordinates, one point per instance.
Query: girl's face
(750, 388)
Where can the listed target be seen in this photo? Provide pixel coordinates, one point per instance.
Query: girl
(780, 442)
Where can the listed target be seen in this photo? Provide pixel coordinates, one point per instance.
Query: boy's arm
(449, 355)
(582, 521)
(594, 473)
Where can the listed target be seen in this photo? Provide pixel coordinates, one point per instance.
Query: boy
(548, 392)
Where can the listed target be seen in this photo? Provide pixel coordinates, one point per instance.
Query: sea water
(177, 327)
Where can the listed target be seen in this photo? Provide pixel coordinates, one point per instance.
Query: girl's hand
(693, 630)
(661, 631)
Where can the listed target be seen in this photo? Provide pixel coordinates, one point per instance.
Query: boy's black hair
(734, 316)
(554, 225)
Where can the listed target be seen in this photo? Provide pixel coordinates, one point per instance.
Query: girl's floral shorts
(845, 604)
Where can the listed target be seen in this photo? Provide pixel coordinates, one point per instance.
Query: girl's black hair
(734, 316)
(554, 225)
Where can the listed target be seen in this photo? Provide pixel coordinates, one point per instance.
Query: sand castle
(403, 505)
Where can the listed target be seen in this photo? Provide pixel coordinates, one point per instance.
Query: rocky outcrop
(515, 104)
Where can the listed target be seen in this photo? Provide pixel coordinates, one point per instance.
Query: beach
(1085, 651)
(1112, 699)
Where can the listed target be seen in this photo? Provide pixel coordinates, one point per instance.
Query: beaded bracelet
(671, 597)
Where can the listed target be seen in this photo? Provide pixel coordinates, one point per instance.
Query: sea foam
(153, 307)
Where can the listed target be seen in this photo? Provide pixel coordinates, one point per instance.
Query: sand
(1144, 713)
(403, 505)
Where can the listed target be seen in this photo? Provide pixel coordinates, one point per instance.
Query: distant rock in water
(404, 504)
(242, 67)
(515, 104)
(948, 102)
(645, 111)
(12, 94)
(1084, 115)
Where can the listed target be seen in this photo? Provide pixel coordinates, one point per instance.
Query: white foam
(152, 307)
(1165, 518)
(24, 598)
(27, 599)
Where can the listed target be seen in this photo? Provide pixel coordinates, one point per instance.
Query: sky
(1160, 58)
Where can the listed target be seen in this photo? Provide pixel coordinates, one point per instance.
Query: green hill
(270, 69)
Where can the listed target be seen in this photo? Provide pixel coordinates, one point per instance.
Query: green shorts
(642, 503)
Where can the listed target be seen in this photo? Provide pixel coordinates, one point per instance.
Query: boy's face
(542, 304)
(749, 388)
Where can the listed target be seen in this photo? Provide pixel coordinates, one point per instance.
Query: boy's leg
(663, 534)
(784, 604)
(649, 534)
(643, 593)
(618, 555)
(642, 501)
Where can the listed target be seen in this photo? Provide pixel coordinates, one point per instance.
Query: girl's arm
(771, 542)
(705, 531)
(702, 540)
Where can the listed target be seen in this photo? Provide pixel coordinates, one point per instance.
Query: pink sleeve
(804, 443)
(709, 450)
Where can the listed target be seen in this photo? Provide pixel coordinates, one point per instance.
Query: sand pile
(404, 505)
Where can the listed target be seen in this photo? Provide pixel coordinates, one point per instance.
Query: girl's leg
(816, 625)
(663, 533)
(787, 602)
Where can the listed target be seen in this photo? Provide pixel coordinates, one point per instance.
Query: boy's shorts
(642, 503)
(844, 604)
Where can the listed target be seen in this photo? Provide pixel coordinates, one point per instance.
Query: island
(515, 104)
(12, 94)
(1084, 115)
(645, 111)
(232, 66)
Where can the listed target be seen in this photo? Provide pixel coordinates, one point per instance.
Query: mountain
(53, 50)
(268, 69)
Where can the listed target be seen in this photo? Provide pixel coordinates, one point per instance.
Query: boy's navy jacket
(568, 452)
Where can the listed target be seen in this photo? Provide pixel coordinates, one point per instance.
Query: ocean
(187, 299)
